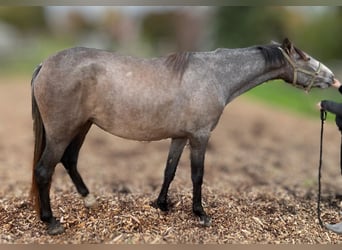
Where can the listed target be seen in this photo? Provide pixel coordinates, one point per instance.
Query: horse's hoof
(89, 201)
(55, 228)
(337, 228)
(205, 221)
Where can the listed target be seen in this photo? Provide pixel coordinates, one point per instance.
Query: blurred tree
(245, 26)
(158, 30)
(318, 32)
(25, 19)
(322, 35)
(120, 28)
(174, 31)
(338, 25)
(77, 23)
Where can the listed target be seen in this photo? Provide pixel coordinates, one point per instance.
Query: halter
(297, 69)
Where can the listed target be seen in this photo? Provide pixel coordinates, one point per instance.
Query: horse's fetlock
(163, 205)
(47, 217)
(198, 210)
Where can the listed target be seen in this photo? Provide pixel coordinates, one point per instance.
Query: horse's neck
(239, 70)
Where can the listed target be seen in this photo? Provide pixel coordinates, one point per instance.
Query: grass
(284, 96)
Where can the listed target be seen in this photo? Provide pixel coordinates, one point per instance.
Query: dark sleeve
(332, 107)
(338, 121)
(340, 89)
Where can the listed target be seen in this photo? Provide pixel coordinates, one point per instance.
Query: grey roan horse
(181, 97)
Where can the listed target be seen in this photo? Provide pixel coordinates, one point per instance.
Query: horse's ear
(287, 46)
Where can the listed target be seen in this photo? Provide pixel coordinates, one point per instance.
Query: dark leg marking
(43, 174)
(175, 152)
(198, 148)
(70, 158)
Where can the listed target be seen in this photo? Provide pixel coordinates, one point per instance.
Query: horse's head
(303, 70)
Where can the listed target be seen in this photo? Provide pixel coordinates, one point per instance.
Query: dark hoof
(55, 228)
(205, 221)
(163, 206)
(337, 228)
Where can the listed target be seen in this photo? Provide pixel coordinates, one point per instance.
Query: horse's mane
(178, 62)
(274, 56)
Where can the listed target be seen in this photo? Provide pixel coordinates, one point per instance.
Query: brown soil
(259, 186)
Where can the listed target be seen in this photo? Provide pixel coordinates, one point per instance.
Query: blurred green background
(29, 34)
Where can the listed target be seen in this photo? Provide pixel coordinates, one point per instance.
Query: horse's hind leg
(43, 175)
(69, 160)
(175, 152)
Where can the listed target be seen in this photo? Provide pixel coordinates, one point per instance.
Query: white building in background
(9, 39)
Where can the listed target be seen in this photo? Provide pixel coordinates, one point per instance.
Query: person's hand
(336, 83)
(319, 107)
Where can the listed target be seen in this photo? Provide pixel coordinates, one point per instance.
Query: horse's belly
(140, 130)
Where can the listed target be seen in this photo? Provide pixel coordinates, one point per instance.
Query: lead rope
(337, 228)
(323, 118)
(341, 155)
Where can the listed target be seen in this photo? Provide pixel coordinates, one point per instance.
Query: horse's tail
(39, 141)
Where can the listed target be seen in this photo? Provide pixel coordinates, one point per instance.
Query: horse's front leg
(175, 152)
(198, 148)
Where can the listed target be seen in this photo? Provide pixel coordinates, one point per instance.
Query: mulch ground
(260, 183)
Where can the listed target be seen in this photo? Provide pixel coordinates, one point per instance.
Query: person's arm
(332, 107)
